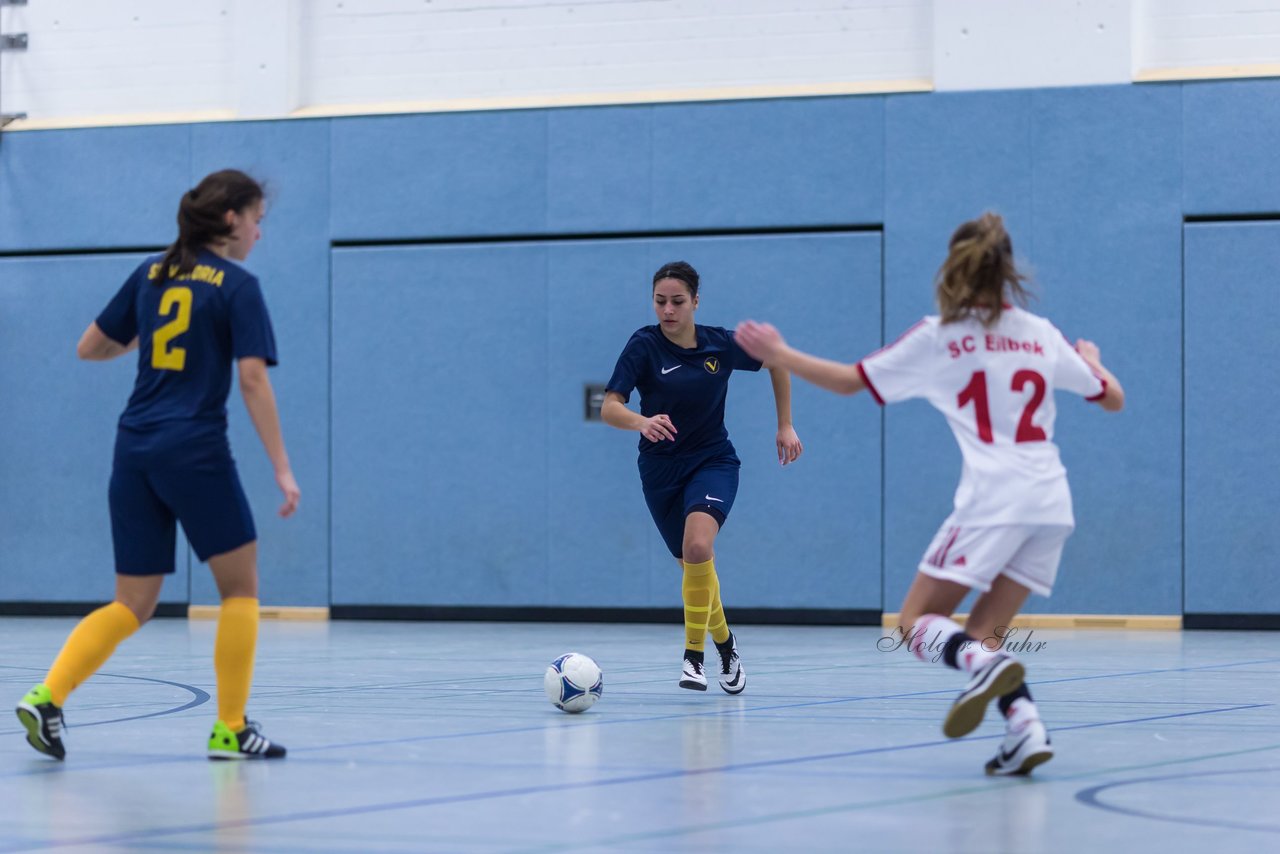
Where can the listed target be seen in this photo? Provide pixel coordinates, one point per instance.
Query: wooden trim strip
(608, 99)
(1127, 622)
(119, 120)
(504, 102)
(266, 612)
(1207, 72)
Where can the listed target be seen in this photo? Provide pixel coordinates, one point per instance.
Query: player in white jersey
(991, 368)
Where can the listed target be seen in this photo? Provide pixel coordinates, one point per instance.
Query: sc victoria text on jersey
(201, 273)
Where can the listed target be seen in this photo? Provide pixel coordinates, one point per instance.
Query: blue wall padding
(432, 393)
(1232, 498)
(59, 430)
(1230, 131)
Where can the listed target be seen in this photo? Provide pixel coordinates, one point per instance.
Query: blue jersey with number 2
(189, 329)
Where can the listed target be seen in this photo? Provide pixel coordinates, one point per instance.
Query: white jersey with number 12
(995, 386)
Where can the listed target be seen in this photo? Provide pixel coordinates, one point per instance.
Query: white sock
(1021, 713)
(973, 657)
(934, 631)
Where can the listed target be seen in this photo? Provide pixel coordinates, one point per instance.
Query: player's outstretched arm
(762, 341)
(1113, 399)
(260, 400)
(787, 442)
(96, 346)
(615, 413)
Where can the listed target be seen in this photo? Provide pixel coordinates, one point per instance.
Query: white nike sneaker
(1002, 675)
(733, 676)
(1024, 747)
(691, 676)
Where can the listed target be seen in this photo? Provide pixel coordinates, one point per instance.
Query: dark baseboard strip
(1259, 216)
(502, 614)
(77, 609)
(507, 614)
(1231, 621)
(510, 614)
(70, 252)
(574, 237)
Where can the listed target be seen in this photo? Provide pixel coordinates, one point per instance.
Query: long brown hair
(202, 217)
(979, 273)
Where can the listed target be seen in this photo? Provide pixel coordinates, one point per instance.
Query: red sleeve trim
(1100, 395)
(862, 372)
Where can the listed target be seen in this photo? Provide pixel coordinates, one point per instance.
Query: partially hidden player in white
(991, 368)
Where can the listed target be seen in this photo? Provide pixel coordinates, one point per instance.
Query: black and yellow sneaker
(248, 743)
(43, 722)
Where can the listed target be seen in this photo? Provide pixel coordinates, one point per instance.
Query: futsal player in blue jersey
(191, 314)
(688, 467)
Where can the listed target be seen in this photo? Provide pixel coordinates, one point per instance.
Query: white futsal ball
(573, 682)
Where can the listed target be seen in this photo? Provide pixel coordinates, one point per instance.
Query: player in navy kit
(990, 368)
(190, 314)
(688, 466)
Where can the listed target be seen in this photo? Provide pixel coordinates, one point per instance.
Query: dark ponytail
(979, 273)
(202, 217)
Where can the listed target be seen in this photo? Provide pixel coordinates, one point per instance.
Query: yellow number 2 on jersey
(164, 357)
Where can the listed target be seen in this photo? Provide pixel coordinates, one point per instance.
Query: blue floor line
(444, 800)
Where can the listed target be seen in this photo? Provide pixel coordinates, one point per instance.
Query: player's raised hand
(760, 340)
(658, 427)
(789, 447)
(1089, 352)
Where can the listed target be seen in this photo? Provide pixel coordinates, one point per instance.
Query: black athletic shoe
(248, 743)
(43, 722)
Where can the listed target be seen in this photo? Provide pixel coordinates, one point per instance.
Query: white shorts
(974, 557)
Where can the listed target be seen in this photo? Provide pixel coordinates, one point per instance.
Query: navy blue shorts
(147, 501)
(674, 487)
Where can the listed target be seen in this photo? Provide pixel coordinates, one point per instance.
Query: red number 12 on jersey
(976, 393)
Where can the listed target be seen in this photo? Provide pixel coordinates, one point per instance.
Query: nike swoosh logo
(1006, 755)
(666, 371)
(709, 498)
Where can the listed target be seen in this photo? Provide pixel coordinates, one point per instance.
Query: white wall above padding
(1017, 44)
(1181, 39)
(400, 50)
(163, 60)
(123, 61)
(267, 59)
(99, 58)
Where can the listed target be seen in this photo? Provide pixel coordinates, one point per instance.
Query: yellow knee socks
(717, 624)
(702, 608)
(233, 653)
(88, 647)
